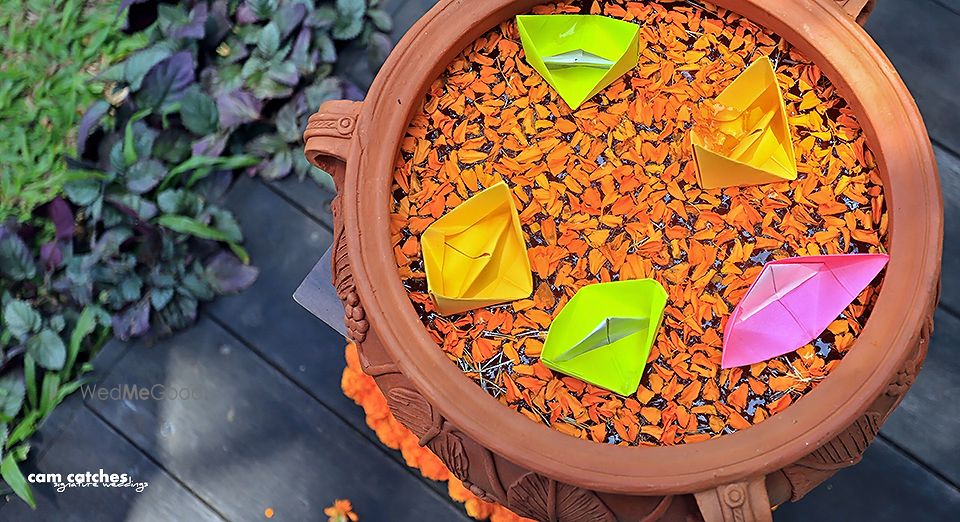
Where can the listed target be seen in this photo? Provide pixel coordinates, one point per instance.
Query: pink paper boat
(792, 302)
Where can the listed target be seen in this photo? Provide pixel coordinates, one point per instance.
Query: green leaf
(269, 41)
(11, 474)
(381, 19)
(26, 428)
(160, 297)
(12, 393)
(347, 28)
(16, 261)
(86, 323)
(351, 8)
(180, 202)
(129, 144)
(322, 17)
(224, 221)
(49, 393)
(139, 64)
(82, 192)
(262, 8)
(349, 22)
(190, 226)
(240, 252)
(198, 112)
(20, 318)
(205, 164)
(48, 349)
(325, 90)
(143, 175)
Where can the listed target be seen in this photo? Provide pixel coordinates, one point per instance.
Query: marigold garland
(363, 390)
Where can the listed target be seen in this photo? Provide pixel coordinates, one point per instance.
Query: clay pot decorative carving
(537, 497)
(908, 373)
(449, 448)
(843, 451)
(491, 445)
(414, 412)
(353, 315)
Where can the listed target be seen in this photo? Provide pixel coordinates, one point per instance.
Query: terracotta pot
(543, 474)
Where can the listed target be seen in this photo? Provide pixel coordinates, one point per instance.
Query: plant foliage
(51, 51)
(221, 77)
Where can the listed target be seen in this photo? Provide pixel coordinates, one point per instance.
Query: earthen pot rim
(897, 136)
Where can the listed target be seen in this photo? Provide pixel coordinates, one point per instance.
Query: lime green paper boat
(604, 334)
(579, 55)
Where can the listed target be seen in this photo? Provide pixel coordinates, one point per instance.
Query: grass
(51, 51)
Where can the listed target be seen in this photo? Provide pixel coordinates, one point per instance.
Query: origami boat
(749, 143)
(474, 256)
(792, 302)
(579, 55)
(604, 333)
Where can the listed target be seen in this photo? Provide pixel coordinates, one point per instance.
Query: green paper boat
(604, 334)
(579, 55)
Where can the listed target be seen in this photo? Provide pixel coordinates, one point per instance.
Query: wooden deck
(271, 428)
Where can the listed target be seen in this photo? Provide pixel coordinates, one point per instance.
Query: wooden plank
(285, 245)
(920, 37)
(922, 425)
(308, 196)
(884, 486)
(91, 445)
(317, 295)
(406, 13)
(950, 182)
(249, 439)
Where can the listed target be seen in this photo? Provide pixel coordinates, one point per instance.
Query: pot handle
(859, 10)
(745, 501)
(328, 136)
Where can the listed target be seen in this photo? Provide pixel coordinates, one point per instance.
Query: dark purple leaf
(215, 186)
(211, 145)
(16, 260)
(238, 107)
(377, 50)
(89, 122)
(227, 274)
(277, 167)
(352, 92)
(62, 218)
(132, 322)
(168, 80)
(137, 208)
(195, 27)
(51, 256)
(300, 56)
(218, 23)
(289, 17)
(288, 120)
(246, 14)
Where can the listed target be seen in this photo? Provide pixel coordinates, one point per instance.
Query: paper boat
(474, 255)
(579, 55)
(792, 302)
(604, 334)
(748, 142)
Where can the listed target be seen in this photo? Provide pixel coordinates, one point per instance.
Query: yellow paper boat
(579, 55)
(753, 120)
(474, 255)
